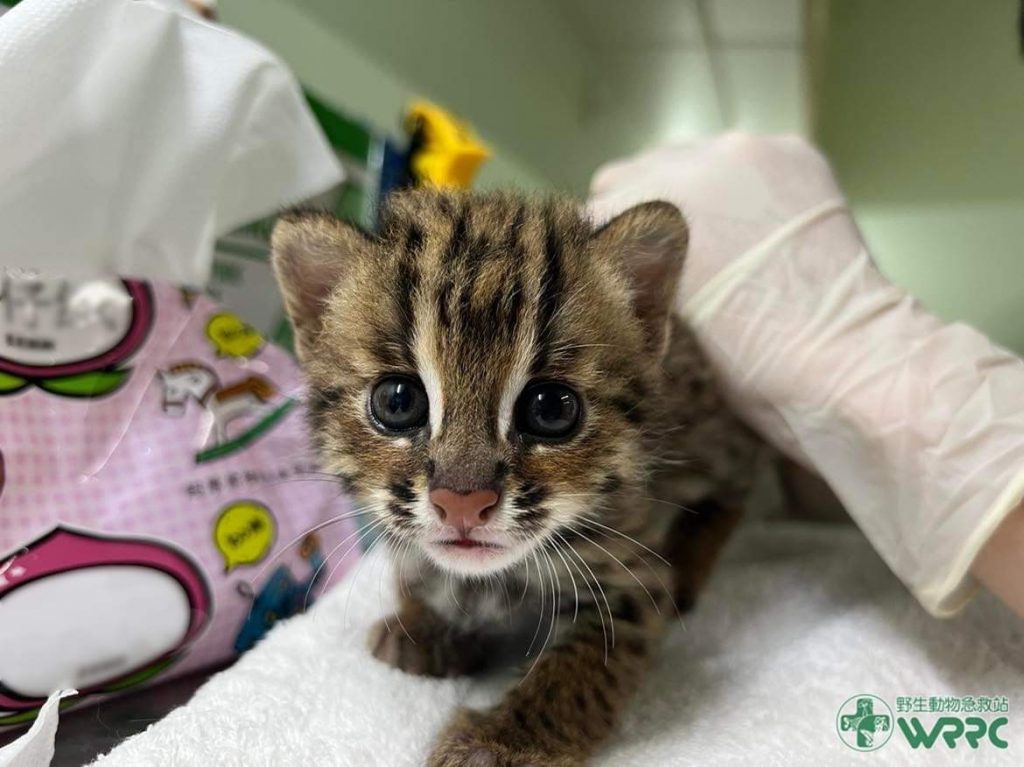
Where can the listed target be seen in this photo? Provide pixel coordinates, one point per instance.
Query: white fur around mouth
(471, 557)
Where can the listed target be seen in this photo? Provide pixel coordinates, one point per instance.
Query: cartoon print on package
(155, 488)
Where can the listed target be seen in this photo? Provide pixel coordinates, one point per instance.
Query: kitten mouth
(468, 543)
(469, 556)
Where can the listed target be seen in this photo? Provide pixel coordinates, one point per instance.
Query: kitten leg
(693, 544)
(566, 704)
(419, 641)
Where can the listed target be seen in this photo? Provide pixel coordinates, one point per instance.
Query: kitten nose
(463, 510)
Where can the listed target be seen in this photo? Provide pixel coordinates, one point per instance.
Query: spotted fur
(603, 535)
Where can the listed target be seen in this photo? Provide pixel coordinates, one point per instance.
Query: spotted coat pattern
(605, 535)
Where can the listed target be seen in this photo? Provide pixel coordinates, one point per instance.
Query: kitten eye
(549, 412)
(399, 403)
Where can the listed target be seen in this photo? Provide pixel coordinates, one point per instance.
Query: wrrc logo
(866, 723)
(972, 730)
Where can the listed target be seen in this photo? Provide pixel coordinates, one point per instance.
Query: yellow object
(232, 337)
(445, 152)
(244, 533)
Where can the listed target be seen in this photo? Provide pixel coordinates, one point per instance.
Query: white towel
(796, 620)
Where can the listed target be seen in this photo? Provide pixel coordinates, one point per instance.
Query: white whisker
(540, 616)
(380, 602)
(554, 616)
(623, 566)
(611, 618)
(572, 578)
(319, 526)
(373, 527)
(593, 523)
(331, 553)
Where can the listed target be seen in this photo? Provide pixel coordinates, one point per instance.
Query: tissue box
(157, 497)
(242, 279)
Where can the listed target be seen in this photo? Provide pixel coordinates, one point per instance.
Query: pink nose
(463, 510)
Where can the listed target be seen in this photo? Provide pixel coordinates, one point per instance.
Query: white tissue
(131, 136)
(35, 747)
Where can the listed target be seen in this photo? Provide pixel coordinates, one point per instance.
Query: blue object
(281, 597)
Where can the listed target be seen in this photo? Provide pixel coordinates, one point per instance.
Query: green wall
(556, 87)
(920, 106)
(507, 67)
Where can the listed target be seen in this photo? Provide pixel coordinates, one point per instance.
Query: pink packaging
(156, 488)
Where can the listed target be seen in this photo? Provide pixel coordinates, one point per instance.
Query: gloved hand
(918, 426)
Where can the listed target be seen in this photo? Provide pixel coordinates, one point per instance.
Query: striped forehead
(488, 285)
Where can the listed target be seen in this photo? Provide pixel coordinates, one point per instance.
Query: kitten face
(481, 373)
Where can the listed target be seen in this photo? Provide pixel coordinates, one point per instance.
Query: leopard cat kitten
(506, 389)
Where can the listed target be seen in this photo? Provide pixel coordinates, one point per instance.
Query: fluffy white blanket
(798, 618)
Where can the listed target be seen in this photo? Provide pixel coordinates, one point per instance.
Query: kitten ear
(312, 253)
(649, 242)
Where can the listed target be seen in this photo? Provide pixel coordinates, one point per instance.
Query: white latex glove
(918, 426)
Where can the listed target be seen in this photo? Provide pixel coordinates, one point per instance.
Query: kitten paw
(467, 743)
(421, 652)
(471, 754)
